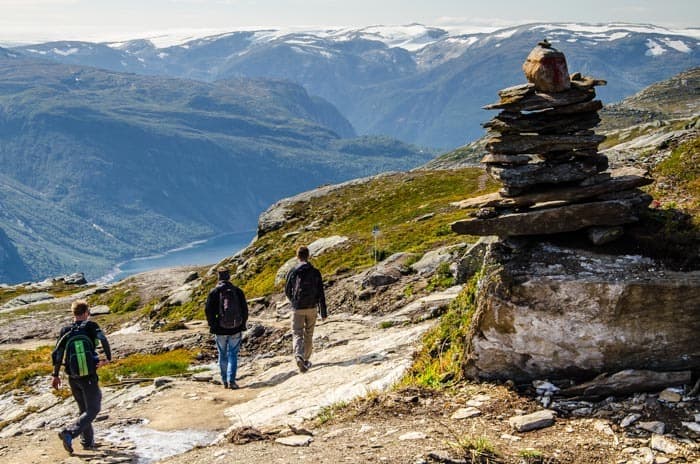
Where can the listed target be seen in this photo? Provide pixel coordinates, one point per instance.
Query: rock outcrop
(546, 311)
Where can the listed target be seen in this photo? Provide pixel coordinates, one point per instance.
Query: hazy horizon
(34, 21)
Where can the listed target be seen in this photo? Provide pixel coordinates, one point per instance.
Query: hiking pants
(228, 346)
(87, 394)
(303, 322)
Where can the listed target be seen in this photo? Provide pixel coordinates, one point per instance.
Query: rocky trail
(280, 415)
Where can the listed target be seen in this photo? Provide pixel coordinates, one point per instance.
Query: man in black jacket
(304, 289)
(227, 315)
(81, 366)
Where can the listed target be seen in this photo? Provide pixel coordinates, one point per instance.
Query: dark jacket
(212, 310)
(318, 283)
(93, 331)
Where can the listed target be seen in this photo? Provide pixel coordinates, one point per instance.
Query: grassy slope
(392, 202)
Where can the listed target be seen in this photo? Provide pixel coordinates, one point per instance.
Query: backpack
(230, 308)
(80, 356)
(304, 288)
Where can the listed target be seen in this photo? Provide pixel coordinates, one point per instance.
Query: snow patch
(505, 34)
(654, 48)
(70, 51)
(678, 45)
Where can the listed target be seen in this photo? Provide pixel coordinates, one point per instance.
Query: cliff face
(547, 311)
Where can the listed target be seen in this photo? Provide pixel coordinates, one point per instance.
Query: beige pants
(303, 322)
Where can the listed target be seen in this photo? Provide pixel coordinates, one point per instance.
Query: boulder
(77, 278)
(99, 310)
(546, 67)
(430, 261)
(549, 311)
(381, 276)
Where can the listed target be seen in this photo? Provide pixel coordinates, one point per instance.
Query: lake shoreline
(196, 253)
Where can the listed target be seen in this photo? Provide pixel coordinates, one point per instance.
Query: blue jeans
(228, 346)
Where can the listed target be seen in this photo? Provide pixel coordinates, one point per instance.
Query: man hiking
(76, 350)
(304, 289)
(227, 315)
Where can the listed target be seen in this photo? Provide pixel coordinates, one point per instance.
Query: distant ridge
(417, 83)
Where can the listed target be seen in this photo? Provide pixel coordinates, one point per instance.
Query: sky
(24, 21)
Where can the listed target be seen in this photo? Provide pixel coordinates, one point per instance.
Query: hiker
(304, 289)
(76, 349)
(227, 315)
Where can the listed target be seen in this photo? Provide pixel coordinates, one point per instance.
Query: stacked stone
(545, 153)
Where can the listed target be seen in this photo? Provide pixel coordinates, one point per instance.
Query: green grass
(120, 299)
(682, 168)
(19, 367)
(533, 456)
(328, 412)
(440, 360)
(476, 450)
(389, 202)
(147, 366)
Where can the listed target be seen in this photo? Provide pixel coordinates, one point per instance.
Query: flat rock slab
(657, 427)
(413, 436)
(670, 396)
(556, 220)
(466, 413)
(534, 421)
(660, 443)
(619, 180)
(513, 99)
(295, 440)
(532, 174)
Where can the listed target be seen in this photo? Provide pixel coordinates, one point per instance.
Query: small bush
(476, 450)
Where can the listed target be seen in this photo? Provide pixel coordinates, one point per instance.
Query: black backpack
(230, 307)
(304, 288)
(80, 356)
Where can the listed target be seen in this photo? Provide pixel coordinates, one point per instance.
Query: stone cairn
(545, 153)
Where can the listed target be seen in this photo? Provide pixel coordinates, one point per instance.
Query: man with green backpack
(76, 350)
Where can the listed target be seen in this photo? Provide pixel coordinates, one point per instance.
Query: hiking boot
(233, 386)
(89, 446)
(67, 440)
(301, 364)
(226, 385)
(308, 365)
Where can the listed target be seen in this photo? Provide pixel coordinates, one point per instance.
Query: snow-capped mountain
(418, 83)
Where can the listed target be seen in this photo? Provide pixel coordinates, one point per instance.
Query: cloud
(30, 3)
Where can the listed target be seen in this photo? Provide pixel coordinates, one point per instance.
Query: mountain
(100, 166)
(416, 83)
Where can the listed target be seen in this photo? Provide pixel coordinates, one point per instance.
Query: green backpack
(80, 356)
